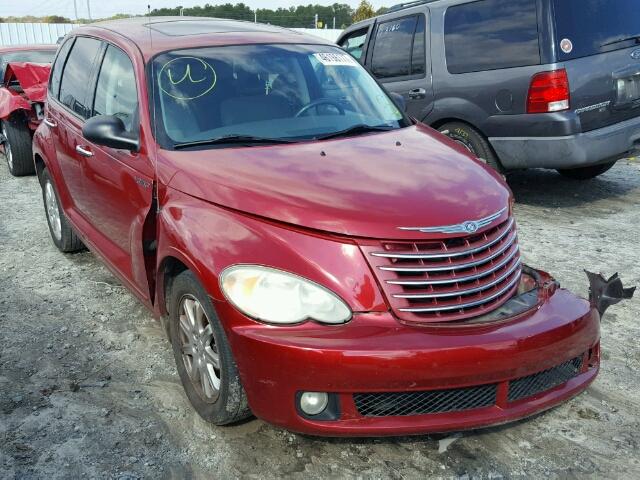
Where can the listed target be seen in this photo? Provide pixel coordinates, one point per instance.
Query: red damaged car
(24, 72)
(317, 258)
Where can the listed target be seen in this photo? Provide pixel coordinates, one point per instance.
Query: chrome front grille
(449, 279)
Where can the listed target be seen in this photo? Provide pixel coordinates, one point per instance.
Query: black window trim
(92, 76)
(401, 78)
(96, 76)
(541, 56)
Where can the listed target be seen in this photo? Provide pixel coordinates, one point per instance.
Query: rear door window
(56, 70)
(397, 42)
(74, 87)
(595, 26)
(491, 34)
(116, 92)
(354, 42)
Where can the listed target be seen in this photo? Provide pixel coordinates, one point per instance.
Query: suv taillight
(549, 92)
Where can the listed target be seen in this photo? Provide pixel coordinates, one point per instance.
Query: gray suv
(520, 83)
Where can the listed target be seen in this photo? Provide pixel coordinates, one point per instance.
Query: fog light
(313, 403)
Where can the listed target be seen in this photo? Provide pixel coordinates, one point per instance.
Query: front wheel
(202, 353)
(586, 173)
(62, 234)
(17, 146)
(472, 140)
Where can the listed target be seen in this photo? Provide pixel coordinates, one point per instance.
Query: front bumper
(598, 146)
(375, 353)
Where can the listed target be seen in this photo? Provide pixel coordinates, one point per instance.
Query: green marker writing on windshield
(174, 90)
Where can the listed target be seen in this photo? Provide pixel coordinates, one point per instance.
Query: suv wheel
(17, 146)
(472, 140)
(586, 173)
(202, 353)
(62, 234)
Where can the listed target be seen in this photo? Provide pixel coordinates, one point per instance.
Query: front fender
(44, 148)
(208, 238)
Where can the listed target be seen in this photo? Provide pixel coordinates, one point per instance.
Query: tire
(62, 234)
(586, 173)
(209, 357)
(472, 140)
(17, 147)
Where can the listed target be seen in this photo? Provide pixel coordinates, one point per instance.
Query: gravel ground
(88, 386)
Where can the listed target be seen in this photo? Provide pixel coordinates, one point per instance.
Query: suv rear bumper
(597, 146)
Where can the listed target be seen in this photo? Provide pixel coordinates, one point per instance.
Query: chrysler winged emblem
(470, 226)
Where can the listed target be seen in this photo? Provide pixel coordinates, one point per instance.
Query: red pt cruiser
(317, 258)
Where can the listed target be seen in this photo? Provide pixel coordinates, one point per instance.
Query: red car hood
(364, 186)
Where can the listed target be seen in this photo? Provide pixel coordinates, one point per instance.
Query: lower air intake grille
(421, 403)
(539, 382)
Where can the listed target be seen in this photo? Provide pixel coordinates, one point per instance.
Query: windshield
(596, 26)
(282, 92)
(35, 56)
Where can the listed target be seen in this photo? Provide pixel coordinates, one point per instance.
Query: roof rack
(402, 6)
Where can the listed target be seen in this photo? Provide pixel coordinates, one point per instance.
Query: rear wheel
(472, 140)
(586, 173)
(62, 234)
(202, 353)
(17, 146)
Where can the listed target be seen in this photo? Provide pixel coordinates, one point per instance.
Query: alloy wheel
(199, 349)
(53, 212)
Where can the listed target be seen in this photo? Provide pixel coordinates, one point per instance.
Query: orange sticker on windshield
(187, 78)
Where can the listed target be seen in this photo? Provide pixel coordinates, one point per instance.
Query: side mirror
(109, 130)
(399, 101)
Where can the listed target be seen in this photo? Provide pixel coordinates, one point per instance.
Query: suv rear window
(491, 34)
(590, 26)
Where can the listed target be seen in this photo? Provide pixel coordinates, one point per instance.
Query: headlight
(275, 296)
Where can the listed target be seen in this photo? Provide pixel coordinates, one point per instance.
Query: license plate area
(628, 91)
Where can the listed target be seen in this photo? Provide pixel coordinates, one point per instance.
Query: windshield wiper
(622, 39)
(354, 130)
(233, 139)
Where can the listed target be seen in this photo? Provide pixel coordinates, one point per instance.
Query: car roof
(395, 9)
(25, 48)
(158, 34)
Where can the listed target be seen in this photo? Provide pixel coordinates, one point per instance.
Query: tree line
(302, 16)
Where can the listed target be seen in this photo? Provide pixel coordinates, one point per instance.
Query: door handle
(417, 93)
(49, 123)
(83, 151)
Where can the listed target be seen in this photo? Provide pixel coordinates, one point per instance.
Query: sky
(106, 8)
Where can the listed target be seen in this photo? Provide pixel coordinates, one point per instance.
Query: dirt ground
(88, 387)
